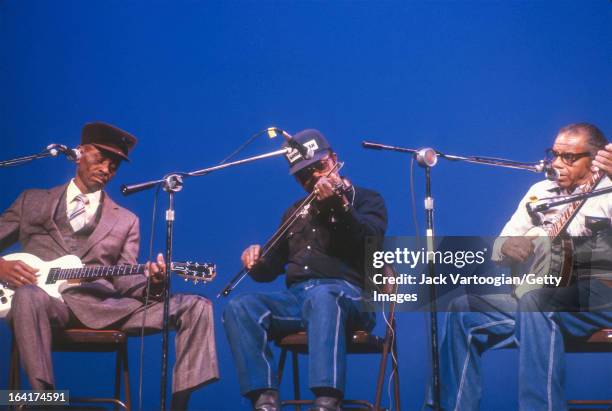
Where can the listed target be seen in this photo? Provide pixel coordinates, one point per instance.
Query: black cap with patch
(312, 139)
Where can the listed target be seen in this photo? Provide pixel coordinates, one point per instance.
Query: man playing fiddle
(322, 256)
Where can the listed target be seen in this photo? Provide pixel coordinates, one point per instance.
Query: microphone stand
(538, 167)
(134, 188)
(428, 158)
(173, 183)
(52, 150)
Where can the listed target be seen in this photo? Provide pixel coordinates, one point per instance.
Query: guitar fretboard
(56, 274)
(562, 221)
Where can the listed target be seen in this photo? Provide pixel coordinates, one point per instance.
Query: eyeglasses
(319, 166)
(566, 158)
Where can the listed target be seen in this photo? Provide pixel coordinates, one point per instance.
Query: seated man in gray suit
(79, 218)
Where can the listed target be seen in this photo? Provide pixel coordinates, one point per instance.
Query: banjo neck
(558, 227)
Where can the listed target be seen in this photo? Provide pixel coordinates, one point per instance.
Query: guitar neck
(564, 220)
(56, 274)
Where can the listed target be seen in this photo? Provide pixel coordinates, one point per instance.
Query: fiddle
(342, 189)
(302, 209)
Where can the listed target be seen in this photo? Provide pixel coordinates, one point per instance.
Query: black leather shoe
(267, 401)
(323, 403)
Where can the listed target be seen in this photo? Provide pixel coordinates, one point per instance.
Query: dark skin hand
(603, 160)
(17, 273)
(156, 271)
(250, 256)
(319, 182)
(518, 249)
(325, 188)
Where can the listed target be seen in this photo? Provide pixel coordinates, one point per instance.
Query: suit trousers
(35, 315)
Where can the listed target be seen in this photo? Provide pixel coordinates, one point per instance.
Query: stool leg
(281, 365)
(396, 381)
(118, 363)
(381, 374)
(14, 368)
(15, 373)
(296, 378)
(126, 377)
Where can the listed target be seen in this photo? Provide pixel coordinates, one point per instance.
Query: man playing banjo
(540, 319)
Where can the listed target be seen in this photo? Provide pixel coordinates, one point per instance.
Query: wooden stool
(87, 340)
(601, 342)
(360, 342)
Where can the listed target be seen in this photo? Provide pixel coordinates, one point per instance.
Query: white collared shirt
(92, 205)
(520, 222)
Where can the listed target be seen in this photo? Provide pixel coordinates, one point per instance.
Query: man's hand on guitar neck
(156, 270)
(603, 160)
(17, 273)
(517, 249)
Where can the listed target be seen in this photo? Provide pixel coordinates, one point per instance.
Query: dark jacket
(330, 243)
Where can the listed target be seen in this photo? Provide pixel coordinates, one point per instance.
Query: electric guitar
(553, 247)
(68, 271)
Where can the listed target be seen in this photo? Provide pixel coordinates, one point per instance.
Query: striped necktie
(77, 216)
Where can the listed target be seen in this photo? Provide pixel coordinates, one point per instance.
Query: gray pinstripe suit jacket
(115, 240)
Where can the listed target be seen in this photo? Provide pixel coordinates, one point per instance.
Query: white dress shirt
(520, 222)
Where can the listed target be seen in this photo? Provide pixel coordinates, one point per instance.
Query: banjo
(68, 271)
(553, 247)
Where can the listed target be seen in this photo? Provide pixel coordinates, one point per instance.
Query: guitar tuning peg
(185, 279)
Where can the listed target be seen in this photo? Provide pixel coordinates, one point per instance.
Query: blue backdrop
(193, 79)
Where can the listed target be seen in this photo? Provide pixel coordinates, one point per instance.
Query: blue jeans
(327, 309)
(535, 324)
(542, 332)
(473, 325)
(539, 321)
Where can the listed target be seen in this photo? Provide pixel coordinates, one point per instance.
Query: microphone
(306, 152)
(545, 166)
(72, 154)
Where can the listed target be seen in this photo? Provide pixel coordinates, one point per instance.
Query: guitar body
(550, 257)
(51, 288)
